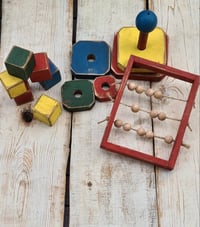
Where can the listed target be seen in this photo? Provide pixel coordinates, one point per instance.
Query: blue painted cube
(55, 74)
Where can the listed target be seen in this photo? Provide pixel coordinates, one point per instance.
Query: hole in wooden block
(105, 86)
(78, 94)
(91, 57)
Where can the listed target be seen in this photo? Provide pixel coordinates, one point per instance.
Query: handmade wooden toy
(146, 41)
(77, 95)
(41, 71)
(105, 88)
(20, 62)
(118, 123)
(25, 97)
(46, 110)
(90, 59)
(55, 77)
(13, 85)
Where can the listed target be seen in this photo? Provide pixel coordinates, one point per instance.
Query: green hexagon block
(77, 95)
(20, 62)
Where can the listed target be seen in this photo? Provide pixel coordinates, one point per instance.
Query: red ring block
(105, 88)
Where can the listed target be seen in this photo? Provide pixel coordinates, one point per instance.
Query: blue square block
(90, 59)
(56, 77)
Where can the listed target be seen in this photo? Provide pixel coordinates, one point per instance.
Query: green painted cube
(20, 62)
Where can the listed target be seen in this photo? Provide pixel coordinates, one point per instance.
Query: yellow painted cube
(13, 85)
(47, 110)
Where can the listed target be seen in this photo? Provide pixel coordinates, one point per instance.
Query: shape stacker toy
(146, 41)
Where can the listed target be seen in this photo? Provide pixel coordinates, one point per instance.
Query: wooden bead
(168, 139)
(149, 134)
(153, 113)
(118, 123)
(158, 94)
(141, 131)
(162, 116)
(139, 89)
(131, 86)
(149, 92)
(127, 127)
(135, 108)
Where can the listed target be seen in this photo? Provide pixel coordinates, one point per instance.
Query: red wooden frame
(167, 70)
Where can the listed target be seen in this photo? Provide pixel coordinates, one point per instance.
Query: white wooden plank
(178, 191)
(33, 158)
(107, 189)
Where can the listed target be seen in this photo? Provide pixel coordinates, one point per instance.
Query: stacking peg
(146, 21)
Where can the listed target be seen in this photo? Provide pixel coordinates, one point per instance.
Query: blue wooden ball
(146, 21)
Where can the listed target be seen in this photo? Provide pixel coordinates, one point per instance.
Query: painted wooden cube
(20, 62)
(13, 85)
(25, 97)
(55, 77)
(41, 71)
(47, 110)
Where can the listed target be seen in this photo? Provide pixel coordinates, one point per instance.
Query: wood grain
(111, 190)
(107, 189)
(33, 157)
(178, 191)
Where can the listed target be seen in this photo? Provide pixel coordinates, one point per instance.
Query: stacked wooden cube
(22, 65)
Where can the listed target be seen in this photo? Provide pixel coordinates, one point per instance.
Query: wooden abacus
(177, 141)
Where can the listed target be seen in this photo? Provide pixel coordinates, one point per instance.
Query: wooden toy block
(20, 62)
(41, 71)
(13, 85)
(144, 41)
(47, 110)
(105, 88)
(171, 72)
(127, 45)
(90, 59)
(55, 77)
(24, 98)
(77, 95)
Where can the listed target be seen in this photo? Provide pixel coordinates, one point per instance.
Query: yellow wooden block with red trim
(13, 85)
(156, 49)
(47, 110)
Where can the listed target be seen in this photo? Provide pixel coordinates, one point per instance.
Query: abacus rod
(159, 137)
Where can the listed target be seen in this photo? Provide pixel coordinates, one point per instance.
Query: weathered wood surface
(111, 190)
(106, 189)
(33, 158)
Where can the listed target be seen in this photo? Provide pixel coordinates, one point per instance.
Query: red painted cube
(25, 97)
(41, 71)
